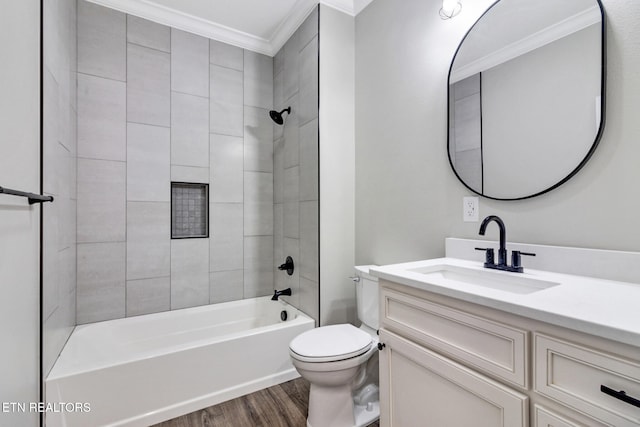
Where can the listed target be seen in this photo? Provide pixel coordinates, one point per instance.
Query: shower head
(277, 117)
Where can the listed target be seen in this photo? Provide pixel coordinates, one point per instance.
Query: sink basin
(447, 274)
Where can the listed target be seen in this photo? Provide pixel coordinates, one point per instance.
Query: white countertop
(604, 308)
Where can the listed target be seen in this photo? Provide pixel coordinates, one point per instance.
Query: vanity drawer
(573, 375)
(544, 417)
(489, 346)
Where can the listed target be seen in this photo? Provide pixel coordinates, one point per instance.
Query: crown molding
(359, 5)
(350, 7)
(192, 24)
(296, 17)
(147, 9)
(344, 6)
(543, 37)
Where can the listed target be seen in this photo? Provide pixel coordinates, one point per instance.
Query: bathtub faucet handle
(276, 294)
(287, 266)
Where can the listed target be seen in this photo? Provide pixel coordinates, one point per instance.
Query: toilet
(341, 363)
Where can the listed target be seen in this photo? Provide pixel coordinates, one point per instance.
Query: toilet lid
(328, 343)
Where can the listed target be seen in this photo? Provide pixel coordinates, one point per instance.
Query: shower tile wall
(59, 174)
(295, 166)
(156, 105)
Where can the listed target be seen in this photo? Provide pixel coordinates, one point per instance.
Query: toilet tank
(367, 296)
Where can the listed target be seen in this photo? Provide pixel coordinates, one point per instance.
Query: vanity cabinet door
(421, 388)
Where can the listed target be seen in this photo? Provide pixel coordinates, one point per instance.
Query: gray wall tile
(225, 55)
(102, 113)
(226, 166)
(309, 267)
(57, 329)
(189, 130)
(148, 296)
(291, 132)
(101, 41)
(226, 85)
(278, 170)
(291, 184)
(226, 119)
(278, 244)
(258, 266)
(149, 34)
(291, 72)
(258, 187)
(226, 286)
(101, 282)
(148, 169)
(67, 222)
(227, 236)
(214, 139)
(309, 82)
(50, 130)
(226, 108)
(189, 63)
(309, 161)
(292, 249)
(258, 219)
(278, 62)
(258, 140)
(148, 86)
(59, 176)
(291, 220)
(258, 80)
(60, 172)
(190, 174)
(278, 103)
(67, 272)
(308, 30)
(148, 240)
(51, 259)
(189, 273)
(309, 298)
(101, 201)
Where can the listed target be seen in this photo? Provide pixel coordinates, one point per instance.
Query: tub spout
(277, 294)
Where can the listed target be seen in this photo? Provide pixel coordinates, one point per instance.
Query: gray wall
(155, 105)
(59, 161)
(19, 222)
(407, 198)
(295, 162)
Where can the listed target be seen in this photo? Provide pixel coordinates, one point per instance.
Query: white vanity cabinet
(452, 363)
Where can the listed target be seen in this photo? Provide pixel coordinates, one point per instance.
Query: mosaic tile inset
(189, 210)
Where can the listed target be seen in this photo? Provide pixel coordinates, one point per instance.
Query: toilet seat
(330, 344)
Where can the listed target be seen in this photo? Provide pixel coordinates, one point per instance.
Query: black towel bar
(33, 198)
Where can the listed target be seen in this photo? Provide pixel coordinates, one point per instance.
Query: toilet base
(364, 417)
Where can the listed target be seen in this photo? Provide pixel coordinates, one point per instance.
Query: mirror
(526, 96)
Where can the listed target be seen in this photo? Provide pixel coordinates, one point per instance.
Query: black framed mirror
(527, 96)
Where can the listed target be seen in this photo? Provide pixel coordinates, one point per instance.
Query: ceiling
(258, 25)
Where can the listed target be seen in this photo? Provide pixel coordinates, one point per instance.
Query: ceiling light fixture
(450, 8)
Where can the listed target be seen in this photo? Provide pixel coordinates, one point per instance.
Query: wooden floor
(283, 405)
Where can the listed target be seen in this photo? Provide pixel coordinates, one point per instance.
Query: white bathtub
(143, 370)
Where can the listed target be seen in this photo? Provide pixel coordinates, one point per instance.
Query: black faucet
(515, 266)
(276, 294)
(502, 252)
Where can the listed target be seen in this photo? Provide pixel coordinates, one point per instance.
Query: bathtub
(143, 370)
